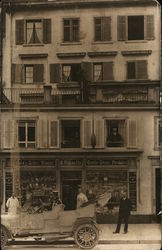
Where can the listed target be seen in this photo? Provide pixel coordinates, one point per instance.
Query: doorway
(158, 193)
(70, 181)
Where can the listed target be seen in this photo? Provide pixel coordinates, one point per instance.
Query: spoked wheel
(4, 237)
(86, 236)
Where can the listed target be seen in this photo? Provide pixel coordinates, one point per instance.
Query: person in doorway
(124, 212)
(12, 204)
(81, 198)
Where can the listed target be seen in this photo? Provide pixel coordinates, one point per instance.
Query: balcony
(121, 95)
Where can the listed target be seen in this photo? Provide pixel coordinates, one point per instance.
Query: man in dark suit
(124, 212)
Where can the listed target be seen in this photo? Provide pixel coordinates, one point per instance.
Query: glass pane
(97, 72)
(135, 27)
(29, 74)
(34, 32)
(21, 133)
(131, 70)
(66, 34)
(31, 133)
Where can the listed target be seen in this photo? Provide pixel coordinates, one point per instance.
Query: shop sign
(98, 162)
(37, 162)
(72, 162)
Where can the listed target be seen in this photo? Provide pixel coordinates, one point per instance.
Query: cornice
(71, 55)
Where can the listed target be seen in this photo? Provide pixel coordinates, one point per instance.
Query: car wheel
(4, 237)
(86, 236)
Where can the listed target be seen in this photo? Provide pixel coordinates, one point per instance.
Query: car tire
(4, 237)
(86, 236)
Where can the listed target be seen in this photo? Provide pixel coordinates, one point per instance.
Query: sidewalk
(137, 233)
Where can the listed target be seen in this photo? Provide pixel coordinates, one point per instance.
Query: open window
(71, 72)
(70, 134)
(115, 133)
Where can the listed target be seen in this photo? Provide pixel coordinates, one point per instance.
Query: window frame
(71, 19)
(95, 64)
(26, 142)
(25, 30)
(25, 66)
(62, 71)
(127, 23)
(136, 73)
(102, 40)
(125, 137)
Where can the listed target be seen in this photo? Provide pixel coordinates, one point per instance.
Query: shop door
(71, 181)
(158, 192)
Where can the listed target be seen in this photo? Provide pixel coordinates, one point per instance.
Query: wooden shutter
(42, 133)
(106, 28)
(19, 32)
(87, 132)
(55, 73)
(38, 74)
(47, 31)
(132, 133)
(8, 130)
(17, 73)
(54, 134)
(1, 132)
(122, 29)
(99, 132)
(149, 27)
(141, 69)
(108, 71)
(87, 68)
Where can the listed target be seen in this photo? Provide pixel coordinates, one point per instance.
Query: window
(137, 70)
(71, 72)
(115, 133)
(70, 134)
(71, 30)
(102, 28)
(157, 131)
(34, 73)
(103, 71)
(26, 134)
(34, 33)
(135, 27)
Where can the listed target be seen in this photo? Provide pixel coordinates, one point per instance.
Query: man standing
(81, 198)
(124, 212)
(12, 204)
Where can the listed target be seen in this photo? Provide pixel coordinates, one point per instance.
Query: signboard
(105, 162)
(37, 162)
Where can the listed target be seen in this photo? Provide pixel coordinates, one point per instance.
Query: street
(98, 247)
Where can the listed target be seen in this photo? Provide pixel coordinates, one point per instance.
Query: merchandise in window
(26, 134)
(115, 133)
(71, 30)
(70, 134)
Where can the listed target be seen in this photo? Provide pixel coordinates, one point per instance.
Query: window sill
(70, 43)
(68, 85)
(102, 42)
(135, 41)
(34, 44)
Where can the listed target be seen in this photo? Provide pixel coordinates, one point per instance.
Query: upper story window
(27, 134)
(137, 70)
(71, 30)
(29, 73)
(103, 71)
(70, 134)
(137, 27)
(71, 72)
(157, 131)
(33, 32)
(102, 28)
(115, 133)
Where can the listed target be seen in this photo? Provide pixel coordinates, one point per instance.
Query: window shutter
(1, 133)
(38, 73)
(99, 132)
(54, 134)
(47, 31)
(122, 28)
(108, 71)
(17, 73)
(42, 133)
(87, 132)
(8, 130)
(141, 69)
(87, 68)
(106, 28)
(19, 32)
(149, 27)
(55, 73)
(132, 133)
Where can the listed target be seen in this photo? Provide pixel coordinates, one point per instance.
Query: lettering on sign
(37, 162)
(97, 162)
(71, 162)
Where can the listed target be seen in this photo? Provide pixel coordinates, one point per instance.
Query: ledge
(136, 53)
(33, 55)
(68, 55)
(102, 53)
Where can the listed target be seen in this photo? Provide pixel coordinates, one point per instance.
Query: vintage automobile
(55, 224)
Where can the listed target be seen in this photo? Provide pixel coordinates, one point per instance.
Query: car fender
(8, 231)
(84, 220)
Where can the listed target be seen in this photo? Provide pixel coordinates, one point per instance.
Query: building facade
(80, 103)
